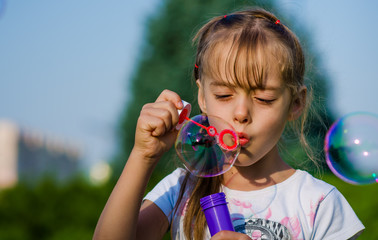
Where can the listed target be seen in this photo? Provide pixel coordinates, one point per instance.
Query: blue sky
(65, 65)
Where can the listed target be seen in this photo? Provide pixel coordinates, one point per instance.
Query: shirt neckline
(274, 187)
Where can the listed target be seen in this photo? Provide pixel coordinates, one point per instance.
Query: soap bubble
(351, 148)
(207, 146)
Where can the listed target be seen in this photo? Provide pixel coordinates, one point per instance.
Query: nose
(242, 113)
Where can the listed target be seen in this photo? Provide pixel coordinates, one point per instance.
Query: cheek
(213, 108)
(271, 123)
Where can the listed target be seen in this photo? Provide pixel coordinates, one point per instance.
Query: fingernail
(180, 104)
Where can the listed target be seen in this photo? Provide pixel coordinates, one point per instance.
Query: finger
(159, 127)
(165, 115)
(166, 110)
(168, 95)
(152, 124)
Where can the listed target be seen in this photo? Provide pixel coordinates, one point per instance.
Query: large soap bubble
(207, 145)
(351, 148)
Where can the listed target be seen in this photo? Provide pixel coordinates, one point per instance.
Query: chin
(245, 160)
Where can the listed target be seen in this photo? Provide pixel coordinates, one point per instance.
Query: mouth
(243, 139)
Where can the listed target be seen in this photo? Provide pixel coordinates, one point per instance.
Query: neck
(267, 171)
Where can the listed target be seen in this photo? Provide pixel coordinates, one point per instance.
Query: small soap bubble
(207, 146)
(351, 148)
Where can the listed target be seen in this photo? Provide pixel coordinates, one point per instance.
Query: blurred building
(27, 155)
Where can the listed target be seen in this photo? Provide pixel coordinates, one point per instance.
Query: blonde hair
(259, 44)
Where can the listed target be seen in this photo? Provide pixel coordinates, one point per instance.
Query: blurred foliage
(51, 210)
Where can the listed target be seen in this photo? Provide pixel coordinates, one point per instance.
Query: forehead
(243, 63)
(246, 57)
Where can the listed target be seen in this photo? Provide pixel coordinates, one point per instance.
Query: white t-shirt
(301, 207)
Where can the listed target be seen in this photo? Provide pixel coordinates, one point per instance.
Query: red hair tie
(278, 21)
(195, 65)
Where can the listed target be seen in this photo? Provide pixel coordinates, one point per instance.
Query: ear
(201, 97)
(298, 104)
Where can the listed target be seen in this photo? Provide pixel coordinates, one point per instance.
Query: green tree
(51, 210)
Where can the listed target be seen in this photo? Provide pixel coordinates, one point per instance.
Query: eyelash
(222, 97)
(261, 100)
(265, 101)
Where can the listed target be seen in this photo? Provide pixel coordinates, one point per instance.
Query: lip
(243, 138)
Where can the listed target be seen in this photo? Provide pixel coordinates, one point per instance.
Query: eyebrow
(221, 84)
(225, 84)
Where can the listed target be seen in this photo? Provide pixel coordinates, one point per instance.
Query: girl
(249, 70)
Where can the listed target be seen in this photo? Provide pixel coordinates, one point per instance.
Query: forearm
(155, 134)
(120, 215)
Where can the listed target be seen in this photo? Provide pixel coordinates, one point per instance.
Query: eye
(223, 96)
(265, 101)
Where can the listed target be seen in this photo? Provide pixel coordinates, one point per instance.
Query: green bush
(49, 210)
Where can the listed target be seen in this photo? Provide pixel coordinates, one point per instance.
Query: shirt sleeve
(166, 192)
(335, 218)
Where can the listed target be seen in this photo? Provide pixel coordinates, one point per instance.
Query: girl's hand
(155, 132)
(230, 235)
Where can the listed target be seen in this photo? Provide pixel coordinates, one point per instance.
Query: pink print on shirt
(253, 224)
(293, 225)
(313, 208)
(252, 219)
(243, 206)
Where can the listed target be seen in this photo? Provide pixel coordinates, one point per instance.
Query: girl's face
(257, 114)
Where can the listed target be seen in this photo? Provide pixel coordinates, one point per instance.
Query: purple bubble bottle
(216, 212)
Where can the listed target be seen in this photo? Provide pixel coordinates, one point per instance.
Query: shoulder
(166, 192)
(175, 176)
(309, 186)
(331, 216)
(170, 183)
(308, 193)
